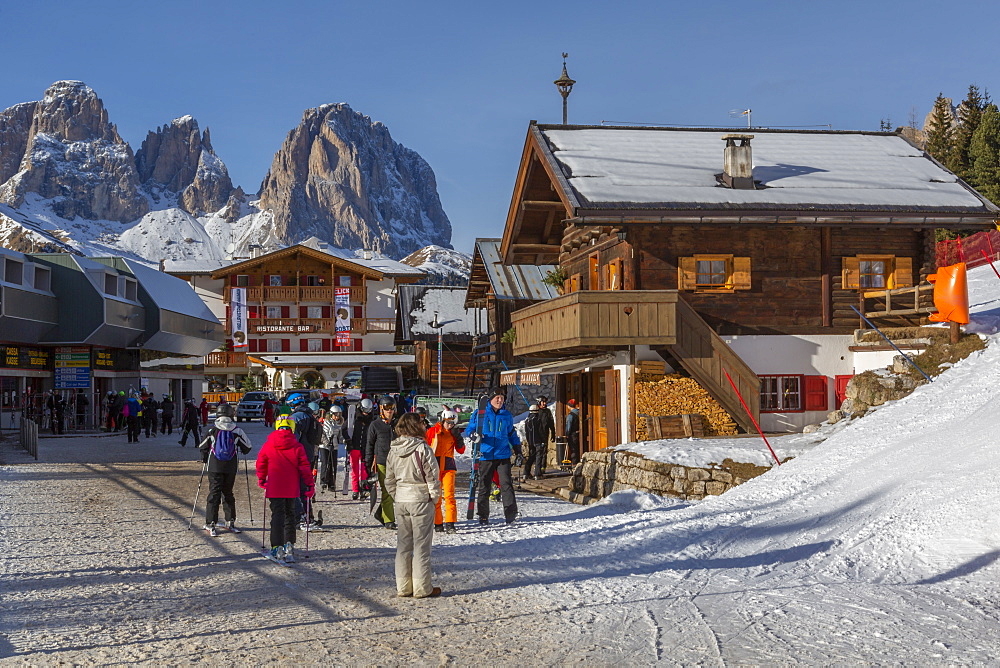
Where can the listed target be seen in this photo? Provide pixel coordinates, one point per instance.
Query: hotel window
(43, 279)
(315, 345)
(274, 280)
(274, 345)
(713, 273)
(242, 280)
(314, 312)
(273, 312)
(13, 271)
(877, 272)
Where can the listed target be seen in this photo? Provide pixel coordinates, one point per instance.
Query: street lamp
(438, 326)
(565, 85)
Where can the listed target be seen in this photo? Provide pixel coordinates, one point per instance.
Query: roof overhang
(304, 250)
(533, 375)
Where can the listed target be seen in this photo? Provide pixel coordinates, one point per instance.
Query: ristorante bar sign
(283, 329)
(24, 357)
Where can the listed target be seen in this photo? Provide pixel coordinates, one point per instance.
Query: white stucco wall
(821, 355)
(382, 299)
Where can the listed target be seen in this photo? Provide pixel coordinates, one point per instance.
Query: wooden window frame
(899, 271)
(594, 273)
(783, 397)
(241, 280)
(612, 275)
(738, 274)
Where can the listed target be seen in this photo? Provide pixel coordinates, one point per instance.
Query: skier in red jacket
(283, 471)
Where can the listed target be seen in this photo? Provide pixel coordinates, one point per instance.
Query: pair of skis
(474, 478)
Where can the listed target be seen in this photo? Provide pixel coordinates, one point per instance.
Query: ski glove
(475, 437)
(261, 483)
(311, 492)
(519, 461)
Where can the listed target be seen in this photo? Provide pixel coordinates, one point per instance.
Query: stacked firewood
(674, 394)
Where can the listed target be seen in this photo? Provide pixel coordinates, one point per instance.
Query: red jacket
(282, 467)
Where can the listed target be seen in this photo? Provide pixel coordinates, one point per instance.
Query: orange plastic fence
(951, 294)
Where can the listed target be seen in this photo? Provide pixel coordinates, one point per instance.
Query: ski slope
(876, 545)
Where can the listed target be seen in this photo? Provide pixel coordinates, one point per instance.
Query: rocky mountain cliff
(341, 177)
(69, 181)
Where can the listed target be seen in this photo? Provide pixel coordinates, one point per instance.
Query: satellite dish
(230, 249)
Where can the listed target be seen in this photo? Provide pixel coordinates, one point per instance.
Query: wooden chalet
(292, 314)
(718, 251)
(424, 311)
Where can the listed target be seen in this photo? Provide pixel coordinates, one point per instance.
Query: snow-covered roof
(171, 293)
(616, 168)
(195, 266)
(517, 282)
(376, 261)
(420, 304)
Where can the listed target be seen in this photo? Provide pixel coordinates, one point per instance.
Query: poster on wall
(238, 318)
(343, 323)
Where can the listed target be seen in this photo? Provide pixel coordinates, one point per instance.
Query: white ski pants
(414, 532)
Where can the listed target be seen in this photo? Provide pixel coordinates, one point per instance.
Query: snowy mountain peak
(444, 266)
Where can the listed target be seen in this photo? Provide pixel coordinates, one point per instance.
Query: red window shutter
(357, 346)
(286, 345)
(228, 313)
(326, 311)
(254, 311)
(357, 312)
(326, 345)
(254, 279)
(815, 391)
(286, 311)
(303, 345)
(303, 311)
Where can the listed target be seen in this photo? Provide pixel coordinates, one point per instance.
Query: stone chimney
(737, 172)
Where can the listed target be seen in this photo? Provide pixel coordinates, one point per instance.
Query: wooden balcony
(320, 294)
(264, 326)
(226, 360)
(591, 320)
(380, 325)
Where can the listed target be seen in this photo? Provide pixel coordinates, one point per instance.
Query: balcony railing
(309, 293)
(226, 360)
(380, 325)
(596, 319)
(263, 326)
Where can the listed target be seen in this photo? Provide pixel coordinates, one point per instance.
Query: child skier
(333, 437)
(282, 472)
(445, 439)
(218, 450)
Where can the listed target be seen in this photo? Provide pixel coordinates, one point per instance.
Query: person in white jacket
(412, 480)
(333, 438)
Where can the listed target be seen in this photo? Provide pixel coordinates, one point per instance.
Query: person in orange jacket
(445, 440)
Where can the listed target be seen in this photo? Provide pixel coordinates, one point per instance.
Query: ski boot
(212, 531)
(289, 550)
(449, 527)
(438, 528)
(231, 526)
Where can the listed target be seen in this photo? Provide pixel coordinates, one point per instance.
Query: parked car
(251, 406)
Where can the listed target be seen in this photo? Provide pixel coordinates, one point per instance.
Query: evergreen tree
(984, 154)
(970, 111)
(941, 130)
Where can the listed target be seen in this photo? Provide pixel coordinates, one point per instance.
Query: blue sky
(458, 81)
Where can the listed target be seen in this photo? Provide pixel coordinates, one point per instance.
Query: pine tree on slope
(941, 130)
(984, 154)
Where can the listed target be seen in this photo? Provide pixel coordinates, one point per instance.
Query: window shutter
(815, 391)
(851, 276)
(741, 273)
(326, 345)
(286, 311)
(286, 345)
(303, 345)
(303, 311)
(358, 346)
(254, 311)
(686, 275)
(252, 345)
(326, 312)
(902, 275)
(357, 312)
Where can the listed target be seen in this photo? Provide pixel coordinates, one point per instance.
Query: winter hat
(571, 403)
(496, 392)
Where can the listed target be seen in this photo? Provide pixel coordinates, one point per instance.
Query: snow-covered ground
(877, 544)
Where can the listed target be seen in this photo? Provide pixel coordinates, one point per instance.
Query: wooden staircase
(706, 357)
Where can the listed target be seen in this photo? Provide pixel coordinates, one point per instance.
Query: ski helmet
(296, 400)
(366, 405)
(313, 406)
(387, 401)
(448, 415)
(336, 409)
(284, 422)
(533, 408)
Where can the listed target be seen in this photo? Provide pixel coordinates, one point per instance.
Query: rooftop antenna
(735, 113)
(565, 85)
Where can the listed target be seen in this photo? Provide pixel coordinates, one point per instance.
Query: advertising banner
(343, 322)
(238, 318)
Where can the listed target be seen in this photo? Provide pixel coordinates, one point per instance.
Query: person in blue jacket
(498, 438)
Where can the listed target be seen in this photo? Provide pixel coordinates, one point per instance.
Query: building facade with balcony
(312, 311)
(683, 247)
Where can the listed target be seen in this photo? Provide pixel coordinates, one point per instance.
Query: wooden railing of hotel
(306, 293)
(226, 359)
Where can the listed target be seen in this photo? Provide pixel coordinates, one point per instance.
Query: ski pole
(246, 469)
(263, 529)
(308, 522)
(198, 493)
